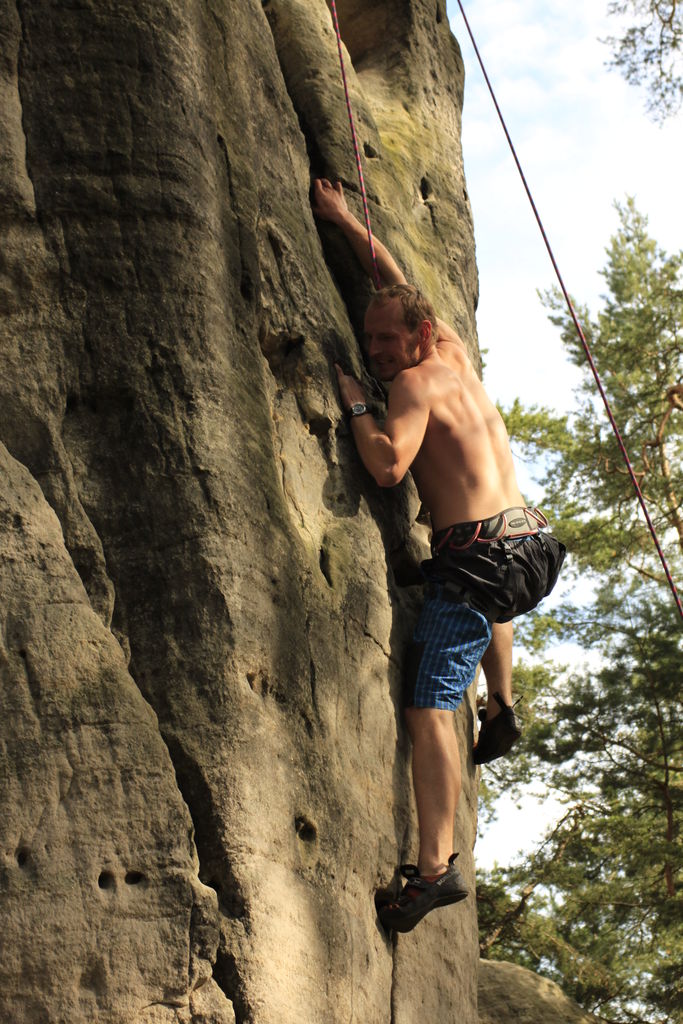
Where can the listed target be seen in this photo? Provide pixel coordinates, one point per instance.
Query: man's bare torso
(464, 469)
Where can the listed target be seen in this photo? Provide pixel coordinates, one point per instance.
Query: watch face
(358, 408)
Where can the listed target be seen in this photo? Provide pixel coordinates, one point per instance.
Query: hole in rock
(22, 856)
(106, 880)
(370, 151)
(305, 830)
(320, 427)
(259, 682)
(22, 654)
(135, 877)
(426, 190)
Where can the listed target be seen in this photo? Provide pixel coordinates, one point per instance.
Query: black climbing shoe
(497, 735)
(419, 896)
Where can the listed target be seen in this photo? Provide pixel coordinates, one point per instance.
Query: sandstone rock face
(509, 994)
(204, 771)
(104, 914)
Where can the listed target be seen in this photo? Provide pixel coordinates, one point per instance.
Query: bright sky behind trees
(584, 140)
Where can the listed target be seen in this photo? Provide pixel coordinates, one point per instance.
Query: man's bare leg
(497, 667)
(500, 728)
(436, 780)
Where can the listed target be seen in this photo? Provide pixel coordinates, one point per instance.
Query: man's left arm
(387, 454)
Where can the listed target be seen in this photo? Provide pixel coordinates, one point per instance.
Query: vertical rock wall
(204, 771)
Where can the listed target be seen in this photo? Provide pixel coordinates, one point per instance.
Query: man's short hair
(416, 307)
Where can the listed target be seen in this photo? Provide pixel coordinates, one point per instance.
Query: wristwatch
(358, 409)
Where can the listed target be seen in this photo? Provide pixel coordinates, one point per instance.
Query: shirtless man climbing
(491, 560)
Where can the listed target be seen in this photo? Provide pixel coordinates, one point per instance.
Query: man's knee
(423, 721)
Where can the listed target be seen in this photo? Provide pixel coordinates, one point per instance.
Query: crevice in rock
(227, 977)
(313, 682)
(372, 41)
(393, 1001)
(20, 77)
(325, 565)
(316, 160)
(215, 869)
(248, 258)
(40, 448)
(315, 119)
(172, 1004)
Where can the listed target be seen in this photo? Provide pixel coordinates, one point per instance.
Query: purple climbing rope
(577, 325)
(371, 244)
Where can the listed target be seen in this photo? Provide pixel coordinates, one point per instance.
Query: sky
(584, 140)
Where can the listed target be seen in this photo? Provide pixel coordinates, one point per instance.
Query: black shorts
(499, 578)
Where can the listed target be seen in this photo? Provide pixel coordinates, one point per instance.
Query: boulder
(510, 993)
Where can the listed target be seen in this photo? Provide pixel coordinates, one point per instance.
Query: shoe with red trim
(420, 895)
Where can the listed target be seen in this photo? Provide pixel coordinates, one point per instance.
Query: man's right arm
(329, 204)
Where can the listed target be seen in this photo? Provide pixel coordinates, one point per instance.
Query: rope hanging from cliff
(366, 212)
(577, 325)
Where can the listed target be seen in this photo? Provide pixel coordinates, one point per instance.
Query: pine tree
(598, 906)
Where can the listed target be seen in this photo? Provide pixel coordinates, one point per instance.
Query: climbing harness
(570, 306)
(371, 244)
(511, 524)
(577, 325)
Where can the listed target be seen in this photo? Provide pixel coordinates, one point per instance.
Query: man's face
(391, 347)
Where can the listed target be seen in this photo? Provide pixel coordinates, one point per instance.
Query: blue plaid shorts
(448, 644)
